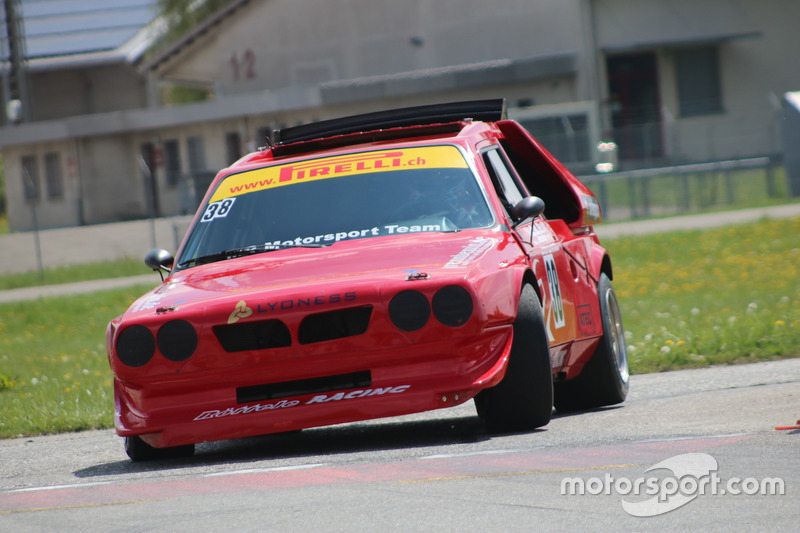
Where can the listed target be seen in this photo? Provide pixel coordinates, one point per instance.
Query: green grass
(700, 298)
(91, 271)
(54, 375)
(689, 299)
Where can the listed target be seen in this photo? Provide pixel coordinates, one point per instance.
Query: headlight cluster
(176, 340)
(410, 310)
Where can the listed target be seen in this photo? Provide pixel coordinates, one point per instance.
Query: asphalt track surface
(439, 471)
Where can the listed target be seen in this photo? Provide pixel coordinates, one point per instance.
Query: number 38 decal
(217, 209)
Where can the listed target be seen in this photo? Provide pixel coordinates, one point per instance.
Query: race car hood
(375, 261)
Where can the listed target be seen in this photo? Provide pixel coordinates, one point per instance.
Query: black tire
(605, 378)
(523, 400)
(138, 450)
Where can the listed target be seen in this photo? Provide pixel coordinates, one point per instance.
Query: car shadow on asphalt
(355, 437)
(331, 440)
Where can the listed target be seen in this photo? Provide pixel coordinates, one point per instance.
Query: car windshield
(320, 202)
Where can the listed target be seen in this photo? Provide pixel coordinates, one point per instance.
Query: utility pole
(15, 68)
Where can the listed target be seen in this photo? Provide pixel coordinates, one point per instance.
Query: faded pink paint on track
(432, 469)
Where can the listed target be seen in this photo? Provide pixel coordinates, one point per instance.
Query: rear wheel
(523, 400)
(604, 379)
(138, 450)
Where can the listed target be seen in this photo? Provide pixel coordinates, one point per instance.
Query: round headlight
(136, 346)
(177, 340)
(409, 310)
(452, 305)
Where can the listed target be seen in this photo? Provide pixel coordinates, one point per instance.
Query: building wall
(113, 188)
(276, 44)
(54, 205)
(757, 45)
(72, 92)
(622, 24)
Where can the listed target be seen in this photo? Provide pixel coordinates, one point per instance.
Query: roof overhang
(457, 77)
(130, 51)
(144, 120)
(678, 42)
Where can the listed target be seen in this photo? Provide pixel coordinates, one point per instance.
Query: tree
(181, 17)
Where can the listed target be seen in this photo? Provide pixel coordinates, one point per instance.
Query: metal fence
(682, 189)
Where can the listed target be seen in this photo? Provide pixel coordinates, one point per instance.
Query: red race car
(372, 266)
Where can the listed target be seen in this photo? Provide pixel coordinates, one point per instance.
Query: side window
(505, 182)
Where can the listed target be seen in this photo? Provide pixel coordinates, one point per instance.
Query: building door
(635, 105)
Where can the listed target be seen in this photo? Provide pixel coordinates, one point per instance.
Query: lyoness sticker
(334, 167)
(241, 311)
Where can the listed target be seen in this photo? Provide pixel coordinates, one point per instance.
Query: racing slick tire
(523, 400)
(138, 450)
(605, 378)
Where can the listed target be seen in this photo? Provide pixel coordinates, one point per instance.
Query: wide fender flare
(505, 287)
(523, 276)
(600, 263)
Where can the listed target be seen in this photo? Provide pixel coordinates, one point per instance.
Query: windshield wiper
(241, 252)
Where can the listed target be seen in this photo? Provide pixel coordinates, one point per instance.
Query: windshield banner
(338, 166)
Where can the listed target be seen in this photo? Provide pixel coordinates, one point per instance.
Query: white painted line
(467, 454)
(56, 487)
(696, 437)
(262, 470)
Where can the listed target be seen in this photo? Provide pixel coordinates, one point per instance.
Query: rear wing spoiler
(479, 110)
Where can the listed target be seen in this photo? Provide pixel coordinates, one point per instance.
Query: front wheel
(523, 400)
(604, 379)
(138, 450)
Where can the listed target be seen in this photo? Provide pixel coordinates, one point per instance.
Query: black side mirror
(529, 207)
(159, 260)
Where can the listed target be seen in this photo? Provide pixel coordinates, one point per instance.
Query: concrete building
(671, 81)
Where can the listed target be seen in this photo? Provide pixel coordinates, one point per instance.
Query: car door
(548, 259)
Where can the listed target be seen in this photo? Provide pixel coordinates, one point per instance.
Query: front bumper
(387, 381)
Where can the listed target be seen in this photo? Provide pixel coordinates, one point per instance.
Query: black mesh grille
(332, 325)
(253, 335)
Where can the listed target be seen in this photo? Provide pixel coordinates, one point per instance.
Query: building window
(53, 175)
(201, 177)
(196, 149)
(699, 87)
(233, 144)
(30, 177)
(172, 162)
